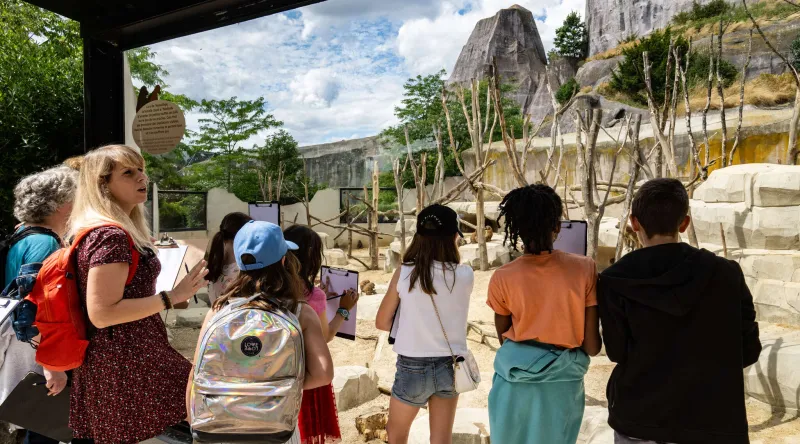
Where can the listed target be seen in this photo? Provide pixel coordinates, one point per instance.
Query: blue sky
(335, 70)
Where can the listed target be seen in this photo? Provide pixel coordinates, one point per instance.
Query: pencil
(187, 273)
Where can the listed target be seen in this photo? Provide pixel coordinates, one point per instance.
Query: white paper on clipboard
(7, 305)
(171, 260)
(572, 238)
(340, 281)
(266, 212)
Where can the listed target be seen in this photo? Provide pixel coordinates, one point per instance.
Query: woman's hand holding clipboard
(349, 298)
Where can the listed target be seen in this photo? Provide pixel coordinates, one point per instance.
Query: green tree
(231, 123)
(41, 95)
(422, 113)
(628, 78)
(280, 151)
(572, 39)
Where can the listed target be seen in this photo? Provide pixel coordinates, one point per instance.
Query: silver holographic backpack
(248, 378)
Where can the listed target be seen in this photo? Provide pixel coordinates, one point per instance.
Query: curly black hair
(532, 213)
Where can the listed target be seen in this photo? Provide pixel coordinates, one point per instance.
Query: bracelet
(344, 313)
(166, 300)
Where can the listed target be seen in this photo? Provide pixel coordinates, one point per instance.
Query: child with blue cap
(268, 280)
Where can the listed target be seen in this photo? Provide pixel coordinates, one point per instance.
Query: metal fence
(181, 210)
(387, 200)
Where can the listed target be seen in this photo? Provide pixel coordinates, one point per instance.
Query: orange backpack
(61, 317)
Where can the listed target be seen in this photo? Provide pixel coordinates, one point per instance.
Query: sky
(335, 70)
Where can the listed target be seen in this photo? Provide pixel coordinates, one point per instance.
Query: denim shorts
(417, 379)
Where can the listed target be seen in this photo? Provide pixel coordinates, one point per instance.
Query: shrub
(796, 53)
(567, 91)
(697, 74)
(700, 12)
(628, 78)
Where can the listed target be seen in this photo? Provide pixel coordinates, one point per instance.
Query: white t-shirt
(419, 334)
(217, 288)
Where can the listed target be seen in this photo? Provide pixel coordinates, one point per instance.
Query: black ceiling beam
(134, 23)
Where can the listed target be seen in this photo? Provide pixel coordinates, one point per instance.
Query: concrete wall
(764, 140)
(347, 163)
(218, 204)
(324, 205)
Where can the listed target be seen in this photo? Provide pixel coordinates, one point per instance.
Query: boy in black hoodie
(680, 324)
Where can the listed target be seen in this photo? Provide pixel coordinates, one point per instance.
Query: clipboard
(7, 306)
(572, 238)
(341, 280)
(395, 325)
(29, 407)
(265, 211)
(171, 259)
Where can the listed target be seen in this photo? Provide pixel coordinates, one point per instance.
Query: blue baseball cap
(264, 241)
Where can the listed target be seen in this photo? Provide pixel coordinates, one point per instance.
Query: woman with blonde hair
(131, 384)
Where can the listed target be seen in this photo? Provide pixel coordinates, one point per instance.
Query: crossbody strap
(441, 324)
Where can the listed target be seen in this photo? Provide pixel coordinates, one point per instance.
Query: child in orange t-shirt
(546, 317)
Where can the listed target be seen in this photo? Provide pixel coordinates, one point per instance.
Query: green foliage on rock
(697, 74)
(700, 12)
(628, 78)
(567, 91)
(572, 38)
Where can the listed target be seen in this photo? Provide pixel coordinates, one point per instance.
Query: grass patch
(766, 90)
(705, 22)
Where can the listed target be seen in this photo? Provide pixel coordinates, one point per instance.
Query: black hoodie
(680, 324)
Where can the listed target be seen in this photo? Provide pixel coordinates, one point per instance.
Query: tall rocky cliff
(512, 37)
(610, 21)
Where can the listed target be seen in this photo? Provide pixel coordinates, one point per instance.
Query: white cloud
(335, 70)
(317, 87)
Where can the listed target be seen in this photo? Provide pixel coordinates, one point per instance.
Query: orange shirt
(546, 296)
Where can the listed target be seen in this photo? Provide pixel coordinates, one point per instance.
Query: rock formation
(610, 21)
(512, 37)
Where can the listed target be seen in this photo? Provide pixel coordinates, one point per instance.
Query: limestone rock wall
(610, 21)
(757, 207)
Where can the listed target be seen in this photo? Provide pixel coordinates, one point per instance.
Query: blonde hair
(93, 207)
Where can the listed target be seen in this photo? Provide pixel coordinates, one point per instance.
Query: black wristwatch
(344, 313)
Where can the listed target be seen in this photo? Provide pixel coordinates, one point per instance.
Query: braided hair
(532, 213)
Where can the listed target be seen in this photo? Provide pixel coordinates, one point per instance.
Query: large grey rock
(190, 317)
(772, 228)
(610, 21)
(411, 227)
(596, 72)
(512, 37)
(774, 379)
(354, 386)
(471, 426)
(595, 428)
(497, 254)
(327, 242)
(368, 306)
(335, 256)
(491, 209)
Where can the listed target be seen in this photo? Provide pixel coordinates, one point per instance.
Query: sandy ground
(765, 425)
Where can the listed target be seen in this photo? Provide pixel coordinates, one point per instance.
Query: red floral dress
(319, 420)
(132, 384)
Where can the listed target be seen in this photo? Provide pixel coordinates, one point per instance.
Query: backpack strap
(30, 231)
(135, 255)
